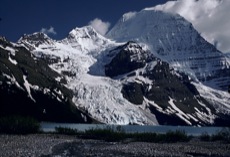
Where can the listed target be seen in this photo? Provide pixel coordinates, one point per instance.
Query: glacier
(99, 96)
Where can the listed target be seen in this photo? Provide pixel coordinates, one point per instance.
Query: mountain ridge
(147, 78)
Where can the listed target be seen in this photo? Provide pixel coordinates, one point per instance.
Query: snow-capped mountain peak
(85, 39)
(83, 32)
(133, 26)
(174, 40)
(35, 39)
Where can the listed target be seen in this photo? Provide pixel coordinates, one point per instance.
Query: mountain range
(151, 68)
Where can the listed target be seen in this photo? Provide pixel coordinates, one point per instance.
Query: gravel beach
(49, 145)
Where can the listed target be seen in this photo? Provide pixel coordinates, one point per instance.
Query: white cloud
(100, 26)
(48, 31)
(209, 17)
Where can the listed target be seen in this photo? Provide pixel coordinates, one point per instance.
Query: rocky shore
(50, 145)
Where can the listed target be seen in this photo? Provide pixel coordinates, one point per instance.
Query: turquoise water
(190, 130)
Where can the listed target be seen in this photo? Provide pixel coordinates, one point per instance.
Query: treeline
(28, 125)
(18, 125)
(110, 134)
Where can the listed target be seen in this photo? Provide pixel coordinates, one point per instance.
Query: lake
(190, 130)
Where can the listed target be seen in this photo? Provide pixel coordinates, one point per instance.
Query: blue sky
(61, 16)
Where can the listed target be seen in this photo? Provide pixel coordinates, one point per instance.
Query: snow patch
(178, 112)
(13, 61)
(10, 49)
(27, 85)
(12, 80)
(219, 99)
(205, 117)
(153, 104)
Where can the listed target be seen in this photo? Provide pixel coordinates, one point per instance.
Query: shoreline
(50, 145)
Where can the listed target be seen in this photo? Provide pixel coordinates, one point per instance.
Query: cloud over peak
(48, 31)
(100, 26)
(209, 17)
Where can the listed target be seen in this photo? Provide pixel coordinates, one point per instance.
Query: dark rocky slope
(167, 86)
(45, 99)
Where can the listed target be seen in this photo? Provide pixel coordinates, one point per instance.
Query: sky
(57, 18)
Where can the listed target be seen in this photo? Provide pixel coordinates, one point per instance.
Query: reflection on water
(190, 130)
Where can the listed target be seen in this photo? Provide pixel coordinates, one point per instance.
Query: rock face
(130, 57)
(156, 70)
(159, 85)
